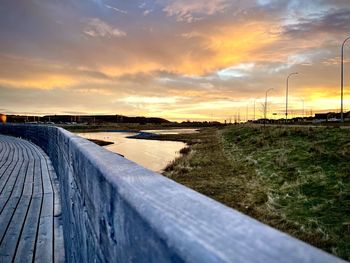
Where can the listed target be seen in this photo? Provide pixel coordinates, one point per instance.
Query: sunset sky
(177, 59)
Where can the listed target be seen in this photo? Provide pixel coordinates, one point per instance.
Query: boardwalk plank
(9, 244)
(4, 150)
(37, 185)
(30, 209)
(17, 186)
(46, 178)
(44, 245)
(6, 216)
(15, 190)
(58, 223)
(28, 183)
(26, 246)
(9, 160)
(6, 177)
(12, 179)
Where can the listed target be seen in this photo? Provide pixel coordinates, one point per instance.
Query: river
(152, 154)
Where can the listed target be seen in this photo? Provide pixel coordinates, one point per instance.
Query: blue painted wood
(115, 210)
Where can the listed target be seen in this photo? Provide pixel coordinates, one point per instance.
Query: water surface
(172, 131)
(152, 154)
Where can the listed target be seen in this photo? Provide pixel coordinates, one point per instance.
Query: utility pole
(265, 108)
(303, 103)
(246, 113)
(287, 89)
(342, 81)
(254, 108)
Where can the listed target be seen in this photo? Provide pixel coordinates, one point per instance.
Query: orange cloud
(226, 46)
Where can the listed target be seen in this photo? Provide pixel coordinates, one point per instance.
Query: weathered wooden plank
(27, 222)
(46, 177)
(30, 147)
(6, 145)
(4, 148)
(9, 159)
(6, 215)
(8, 245)
(16, 189)
(45, 238)
(12, 179)
(9, 170)
(48, 205)
(37, 185)
(26, 150)
(59, 254)
(44, 244)
(5, 163)
(29, 179)
(34, 161)
(52, 186)
(18, 185)
(9, 181)
(26, 246)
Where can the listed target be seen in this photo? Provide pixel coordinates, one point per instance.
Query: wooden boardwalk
(30, 210)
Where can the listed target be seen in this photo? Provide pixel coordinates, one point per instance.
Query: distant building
(327, 117)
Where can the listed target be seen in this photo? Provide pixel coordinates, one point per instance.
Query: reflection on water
(172, 131)
(154, 155)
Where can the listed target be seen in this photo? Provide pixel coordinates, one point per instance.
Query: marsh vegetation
(294, 179)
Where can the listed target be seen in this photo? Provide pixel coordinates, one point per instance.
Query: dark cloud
(331, 23)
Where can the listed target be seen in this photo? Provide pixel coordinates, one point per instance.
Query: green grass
(294, 179)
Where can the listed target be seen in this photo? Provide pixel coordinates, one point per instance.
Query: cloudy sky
(177, 59)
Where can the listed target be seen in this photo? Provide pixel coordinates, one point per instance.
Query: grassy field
(294, 179)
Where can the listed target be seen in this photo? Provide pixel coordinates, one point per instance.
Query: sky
(176, 59)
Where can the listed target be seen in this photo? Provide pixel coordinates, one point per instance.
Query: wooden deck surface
(30, 210)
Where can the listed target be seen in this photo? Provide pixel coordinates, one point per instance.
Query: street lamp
(342, 80)
(303, 102)
(287, 88)
(254, 108)
(265, 110)
(247, 113)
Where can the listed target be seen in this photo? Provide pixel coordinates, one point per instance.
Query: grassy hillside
(294, 179)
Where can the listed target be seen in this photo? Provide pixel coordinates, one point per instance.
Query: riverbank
(134, 127)
(292, 178)
(101, 142)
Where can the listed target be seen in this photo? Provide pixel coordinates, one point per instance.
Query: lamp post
(254, 108)
(247, 113)
(303, 102)
(265, 108)
(342, 80)
(287, 88)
